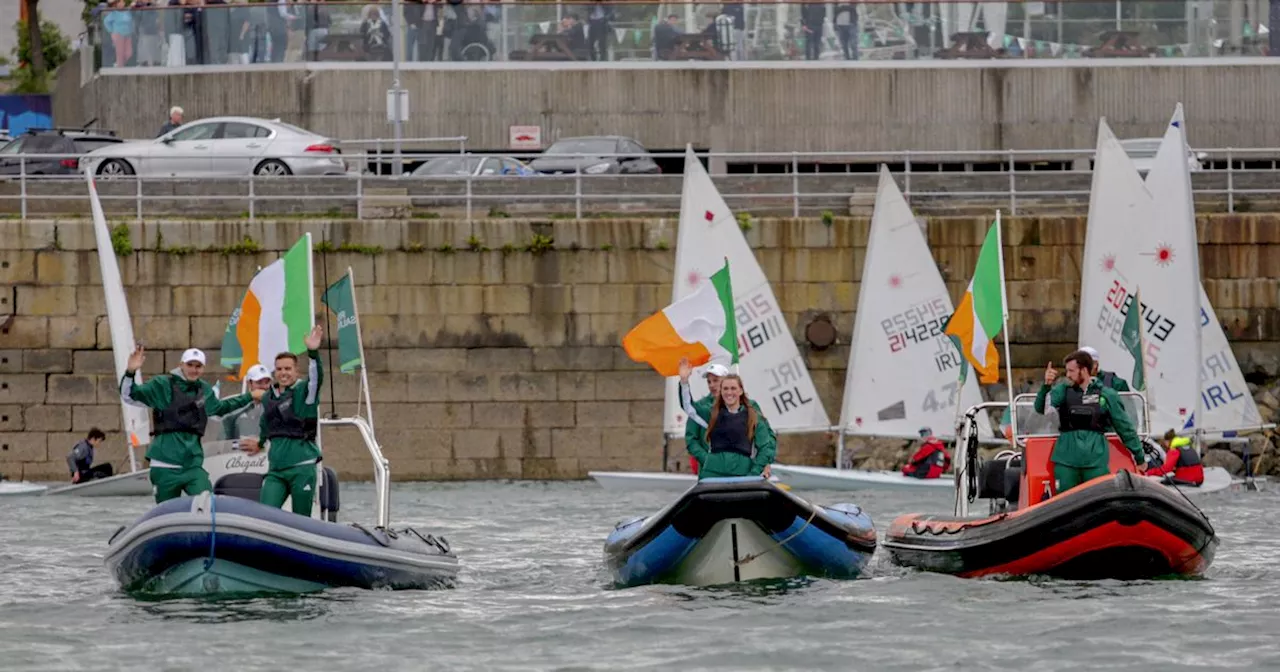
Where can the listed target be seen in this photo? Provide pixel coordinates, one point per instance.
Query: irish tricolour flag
(276, 313)
(700, 326)
(980, 314)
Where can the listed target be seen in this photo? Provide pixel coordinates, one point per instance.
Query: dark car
(596, 155)
(22, 153)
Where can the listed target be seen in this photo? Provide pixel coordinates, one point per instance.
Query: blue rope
(213, 530)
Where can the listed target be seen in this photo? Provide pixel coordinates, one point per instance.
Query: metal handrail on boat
(381, 467)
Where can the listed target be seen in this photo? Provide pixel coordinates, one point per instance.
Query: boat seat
(248, 485)
(991, 479)
(245, 485)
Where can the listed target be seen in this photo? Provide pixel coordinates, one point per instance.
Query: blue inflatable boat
(229, 544)
(724, 530)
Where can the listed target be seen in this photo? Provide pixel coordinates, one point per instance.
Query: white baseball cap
(716, 370)
(258, 372)
(1092, 353)
(193, 355)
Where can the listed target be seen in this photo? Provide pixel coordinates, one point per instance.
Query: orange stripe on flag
(247, 332)
(656, 343)
(961, 326)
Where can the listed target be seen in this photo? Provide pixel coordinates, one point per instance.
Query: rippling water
(535, 595)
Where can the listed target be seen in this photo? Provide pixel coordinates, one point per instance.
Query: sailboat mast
(1004, 326)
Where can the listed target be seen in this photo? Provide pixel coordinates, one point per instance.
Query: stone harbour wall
(493, 346)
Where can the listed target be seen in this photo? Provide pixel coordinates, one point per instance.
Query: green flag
(341, 301)
(1131, 337)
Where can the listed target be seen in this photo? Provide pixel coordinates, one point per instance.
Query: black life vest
(185, 414)
(730, 433)
(282, 422)
(1188, 457)
(1080, 411)
(1107, 378)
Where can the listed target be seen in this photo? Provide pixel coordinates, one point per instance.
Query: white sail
(137, 420)
(1224, 395)
(904, 372)
(1128, 247)
(770, 364)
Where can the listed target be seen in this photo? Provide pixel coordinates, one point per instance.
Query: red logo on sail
(895, 281)
(710, 217)
(1109, 262)
(1164, 254)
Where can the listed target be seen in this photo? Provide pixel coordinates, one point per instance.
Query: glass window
(196, 132)
(14, 147)
(88, 145)
(448, 166)
(234, 130)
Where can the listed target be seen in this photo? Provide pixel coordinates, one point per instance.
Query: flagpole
(324, 269)
(1142, 357)
(364, 366)
(1004, 318)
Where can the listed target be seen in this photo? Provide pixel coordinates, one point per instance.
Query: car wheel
(272, 168)
(115, 168)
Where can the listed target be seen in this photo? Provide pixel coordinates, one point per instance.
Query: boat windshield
(1031, 423)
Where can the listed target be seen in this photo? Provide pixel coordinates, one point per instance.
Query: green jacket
(723, 465)
(178, 449)
(1084, 448)
(1117, 383)
(284, 453)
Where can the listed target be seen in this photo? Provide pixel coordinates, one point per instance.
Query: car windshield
(448, 166)
(581, 146)
(12, 147)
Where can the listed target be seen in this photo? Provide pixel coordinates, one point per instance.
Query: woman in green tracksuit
(1087, 409)
(288, 428)
(181, 405)
(737, 441)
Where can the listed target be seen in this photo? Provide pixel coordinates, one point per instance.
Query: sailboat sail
(771, 367)
(137, 420)
(904, 372)
(1128, 247)
(1224, 396)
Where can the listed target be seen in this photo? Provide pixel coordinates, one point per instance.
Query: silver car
(222, 147)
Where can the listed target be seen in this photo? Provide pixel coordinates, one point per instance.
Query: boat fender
(113, 537)
(380, 537)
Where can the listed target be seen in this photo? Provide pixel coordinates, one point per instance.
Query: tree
(54, 50)
(35, 50)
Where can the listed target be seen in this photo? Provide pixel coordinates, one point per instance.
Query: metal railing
(319, 32)
(1018, 181)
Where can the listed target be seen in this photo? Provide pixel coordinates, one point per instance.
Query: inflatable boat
(634, 481)
(1119, 526)
(725, 530)
(226, 543)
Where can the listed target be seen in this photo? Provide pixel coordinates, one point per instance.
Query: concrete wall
(493, 363)
(793, 107)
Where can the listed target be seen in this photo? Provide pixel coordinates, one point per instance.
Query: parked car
(16, 157)
(1143, 152)
(591, 155)
(223, 147)
(475, 166)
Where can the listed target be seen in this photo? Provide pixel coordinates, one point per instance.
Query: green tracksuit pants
(297, 482)
(173, 483)
(1070, 477)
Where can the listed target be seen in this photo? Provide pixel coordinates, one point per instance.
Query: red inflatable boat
(1120, 526)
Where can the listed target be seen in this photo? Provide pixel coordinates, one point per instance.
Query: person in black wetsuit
(80, 459)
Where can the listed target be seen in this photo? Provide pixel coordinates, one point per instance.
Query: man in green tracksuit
(288, 429)
(181, 405)
(1107, 378)
(1086, 411)
(695, 411)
